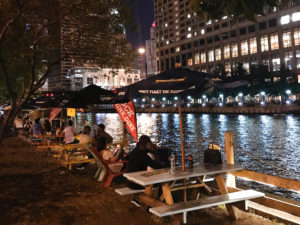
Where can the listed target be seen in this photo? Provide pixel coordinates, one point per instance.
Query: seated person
(69, 133)
(85, 137)
(109, 156)
(139, 159)
(102, 133)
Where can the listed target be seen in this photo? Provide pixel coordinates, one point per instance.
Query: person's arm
(152, 163)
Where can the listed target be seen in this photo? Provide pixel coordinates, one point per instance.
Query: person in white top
(85, 137)
(69, 133)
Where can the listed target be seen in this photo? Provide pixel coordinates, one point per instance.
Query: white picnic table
(166, 179)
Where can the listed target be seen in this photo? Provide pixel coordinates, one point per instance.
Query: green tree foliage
(216, 9)
(36, 35)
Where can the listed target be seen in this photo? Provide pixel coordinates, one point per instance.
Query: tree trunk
(8, 120)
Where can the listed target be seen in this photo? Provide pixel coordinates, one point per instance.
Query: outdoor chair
(104, 172)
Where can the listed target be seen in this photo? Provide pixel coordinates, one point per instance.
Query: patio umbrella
(93, 95)
(177, 82)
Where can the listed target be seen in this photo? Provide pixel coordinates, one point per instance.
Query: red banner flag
(127, 114)
(54, 112)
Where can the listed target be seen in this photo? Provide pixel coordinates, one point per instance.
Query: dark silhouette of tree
(31, 42)
(220, 70)
(216, 9)
(238, 71)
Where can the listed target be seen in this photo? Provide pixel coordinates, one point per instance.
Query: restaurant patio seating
(104, 173)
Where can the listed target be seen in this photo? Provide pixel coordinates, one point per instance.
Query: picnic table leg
(223, 189)
(148, 190)
(169, 200)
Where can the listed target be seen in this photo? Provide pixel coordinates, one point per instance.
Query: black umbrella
(93, 95)
(176, 82)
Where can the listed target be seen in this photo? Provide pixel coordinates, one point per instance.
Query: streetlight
(143, 61)
(141, 50)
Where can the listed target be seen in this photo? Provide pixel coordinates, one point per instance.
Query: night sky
(143, 17)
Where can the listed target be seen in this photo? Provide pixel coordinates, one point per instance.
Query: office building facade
(184, 40)
(151, 66)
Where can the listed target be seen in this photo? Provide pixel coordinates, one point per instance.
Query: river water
(265, 143)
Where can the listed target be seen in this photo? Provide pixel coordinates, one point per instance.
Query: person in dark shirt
(139, 160)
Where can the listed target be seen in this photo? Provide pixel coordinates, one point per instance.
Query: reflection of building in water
(105, 78)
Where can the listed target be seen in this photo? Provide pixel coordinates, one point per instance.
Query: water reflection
(274, 139)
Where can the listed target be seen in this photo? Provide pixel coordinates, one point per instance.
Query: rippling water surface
(263, 143)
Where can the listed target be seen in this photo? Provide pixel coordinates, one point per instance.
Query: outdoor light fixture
(288, 92)
(188, 105)
(221, 96)
(163, 105)
(176, 98)
(240, 104)
(203, 104)
(221, 104)
(141, 51)
(143, 106)
(262, 103)
(288, 102)
(153, 99)
(144, 100)
(152, 105)
(240, 94)
(189, 97)
(134, 100)
(164, 98)
(262, 93)
(203, 96)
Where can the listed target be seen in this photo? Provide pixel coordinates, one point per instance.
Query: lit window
(177, 49)
(298, 59)
(274, 41)
(246, 66)
(234, 50)
(217, 54)
(224, 17)
(166, 24)
(209, 22)
(210, 55)
(167, 42)
(296, 16)
(177, 20)
(189, 28)
(285, 19)
(264, 43)
(177, 33)
(226, 51)
(253, 46)
(203, 57)
(190, 62)
(288, 59)
(286, 39)
(189, 35)
(276, 63)
(244, 48)
(297, 36)
(195, 33)
(197, 58)
(202, 31)
(228, 67)
(188, 16)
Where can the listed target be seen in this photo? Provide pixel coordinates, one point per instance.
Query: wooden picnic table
(166, 179)
(45, 139)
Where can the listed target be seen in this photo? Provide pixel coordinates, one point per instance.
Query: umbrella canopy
(178, 82)
(93, 95)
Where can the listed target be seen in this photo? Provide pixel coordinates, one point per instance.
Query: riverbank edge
(267, 109)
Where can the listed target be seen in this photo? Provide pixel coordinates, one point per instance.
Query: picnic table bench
(166, 180)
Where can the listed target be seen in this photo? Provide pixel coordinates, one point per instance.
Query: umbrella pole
(181, 132)
(182, 145)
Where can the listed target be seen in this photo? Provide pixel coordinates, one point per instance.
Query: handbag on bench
(212, 154)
